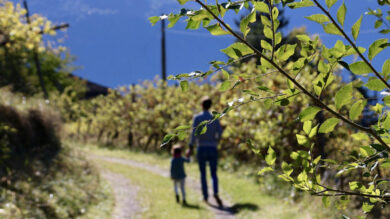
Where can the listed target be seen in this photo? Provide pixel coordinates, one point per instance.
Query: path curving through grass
(225, 213)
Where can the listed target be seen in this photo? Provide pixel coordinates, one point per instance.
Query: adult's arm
(219, 129)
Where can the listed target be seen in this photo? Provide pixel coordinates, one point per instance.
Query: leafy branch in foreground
(305, 170)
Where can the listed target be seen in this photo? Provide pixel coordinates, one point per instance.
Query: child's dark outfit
(178, 175)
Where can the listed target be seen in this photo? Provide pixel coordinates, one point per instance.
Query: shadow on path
(191, 206)
(236, 208)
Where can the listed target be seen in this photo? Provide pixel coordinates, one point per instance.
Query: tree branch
(342, 192)
(351, 43)
(296, 83)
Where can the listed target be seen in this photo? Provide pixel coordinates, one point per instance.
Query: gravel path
(191, 183)
(126, 205)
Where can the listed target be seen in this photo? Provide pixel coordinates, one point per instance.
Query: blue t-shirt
(177, 167)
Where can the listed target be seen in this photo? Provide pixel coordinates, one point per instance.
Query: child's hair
(176, 149)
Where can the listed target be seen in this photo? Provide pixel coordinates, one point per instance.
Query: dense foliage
(23, 51)
(365, 165)
(39, 177)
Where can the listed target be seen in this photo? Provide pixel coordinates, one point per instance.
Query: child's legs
(175, 185)
(182, 188)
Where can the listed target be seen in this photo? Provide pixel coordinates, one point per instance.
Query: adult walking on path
(207, 152)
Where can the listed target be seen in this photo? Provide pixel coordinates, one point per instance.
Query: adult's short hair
(206, 103)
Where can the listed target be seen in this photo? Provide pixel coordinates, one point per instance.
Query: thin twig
(270, 6)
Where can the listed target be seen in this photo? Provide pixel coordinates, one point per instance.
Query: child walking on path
(178, 174)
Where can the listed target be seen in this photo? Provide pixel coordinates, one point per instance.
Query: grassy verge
(251, 199)
(156, 195)
(70, 188)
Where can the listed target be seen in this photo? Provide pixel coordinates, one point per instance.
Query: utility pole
(36, 58)
(163, 52)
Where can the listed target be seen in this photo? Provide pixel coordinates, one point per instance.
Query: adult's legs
(213, 161)
(202, 169)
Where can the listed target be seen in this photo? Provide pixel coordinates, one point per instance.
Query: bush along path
(123, 202)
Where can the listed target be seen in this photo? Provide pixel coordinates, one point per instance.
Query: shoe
(205, 200)
(177, 199)
(218, 200)
(184, 202)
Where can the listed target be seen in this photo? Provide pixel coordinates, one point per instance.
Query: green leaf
(261, 7)
(270, 157)
(386, 122)
(341, 14)
(309, 113)
(285, 51)
(154, 19)
(343, 96)
(184, 86)
(300, 4)
(376, 47)
(268, 32)
(301, 139)
(167, 139)
(225, 86)
(245, 21)
(326, 201)
(182, 127)
(193, 25)
(264, 170)
(303, 37)
(356, 28)
(357, 109)
(367, 207)
(278, 38)
(267, 103)
(319, 18)
(375, 84)
(330, 3)
(264, 44)
(201, 129)
(307, 127)
(332, 29)
(354, 185)
(328, 125)
(225, 74)
(216, 30)
(386, 68)
(386, 100)
(237, 50)
(287, 169)
(182, 2)
(360, 136)
(378, 24)
(360, 68)
(313, 131)
(173, 20)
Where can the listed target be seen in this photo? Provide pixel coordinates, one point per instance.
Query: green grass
(250, 198)
(156, 194)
